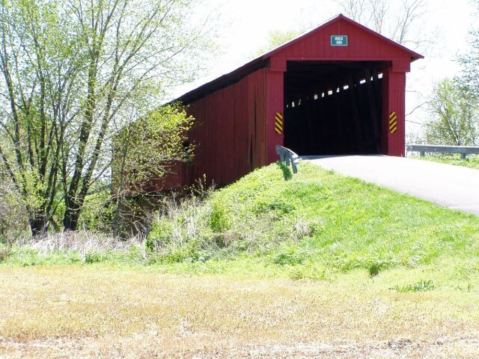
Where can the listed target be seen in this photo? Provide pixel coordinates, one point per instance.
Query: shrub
(219, 220)
(289, 257)
(94, 257)
(160, 235)
(97, 212)
(287, 173)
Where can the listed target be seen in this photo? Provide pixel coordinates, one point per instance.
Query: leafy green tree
(73, 73)
(144, 152)
(33, 54)
(454, 111)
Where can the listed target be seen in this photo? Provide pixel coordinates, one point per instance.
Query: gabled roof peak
(342, 17)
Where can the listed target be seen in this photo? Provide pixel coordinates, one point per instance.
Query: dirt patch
(149, 346)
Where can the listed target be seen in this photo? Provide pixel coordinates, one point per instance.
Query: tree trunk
(38, 224)
(72, 215)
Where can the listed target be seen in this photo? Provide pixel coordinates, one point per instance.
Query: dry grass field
(80, 311)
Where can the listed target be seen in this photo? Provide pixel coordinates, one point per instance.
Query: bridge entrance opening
(334, 108)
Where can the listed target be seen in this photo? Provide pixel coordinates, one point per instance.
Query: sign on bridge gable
(339, 40)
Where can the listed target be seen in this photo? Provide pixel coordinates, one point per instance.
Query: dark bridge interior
(333, 108)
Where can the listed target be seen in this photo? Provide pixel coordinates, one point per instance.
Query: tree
(470, 61)
(455, 121)
(144, 152)
(393, 19)
(34, 96)
(74, 72)
(142, 148)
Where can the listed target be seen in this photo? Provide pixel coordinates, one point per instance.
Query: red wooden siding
(230, 134)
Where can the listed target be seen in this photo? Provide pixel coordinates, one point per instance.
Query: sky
(243, 27)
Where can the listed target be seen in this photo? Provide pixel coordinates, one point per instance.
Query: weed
(376, 267)
(219, 219)
(472, 161)
(421, 286)
(280, 206)
(159, 236)
(374, 270)
(287, 173)
(91, 258)
(291, 257)
(341, 223)
(5, 252)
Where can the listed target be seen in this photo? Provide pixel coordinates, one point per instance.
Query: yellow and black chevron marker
(393, 123)
(279, 123)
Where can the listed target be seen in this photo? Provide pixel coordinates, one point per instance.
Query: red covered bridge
(339, 89)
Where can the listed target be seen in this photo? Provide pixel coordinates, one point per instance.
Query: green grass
(318, 225)
(314, 226)
(471, 161)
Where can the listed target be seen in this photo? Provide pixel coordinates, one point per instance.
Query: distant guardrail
(464, 151)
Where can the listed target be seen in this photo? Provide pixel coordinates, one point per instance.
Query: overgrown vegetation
(73, 248)
(146, 152)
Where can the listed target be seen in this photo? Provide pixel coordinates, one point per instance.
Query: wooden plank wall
(229, 134)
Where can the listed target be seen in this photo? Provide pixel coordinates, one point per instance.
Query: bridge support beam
(275, 109)
(393, 124)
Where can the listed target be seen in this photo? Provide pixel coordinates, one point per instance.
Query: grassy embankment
(471, 161)
(319, 265)
(316, 226)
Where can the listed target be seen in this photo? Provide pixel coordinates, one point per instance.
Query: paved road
(450, 186)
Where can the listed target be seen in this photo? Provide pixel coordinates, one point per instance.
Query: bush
(97, 211)
(93, 258)
(219, 220)
(160, 235)
(291, 258)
